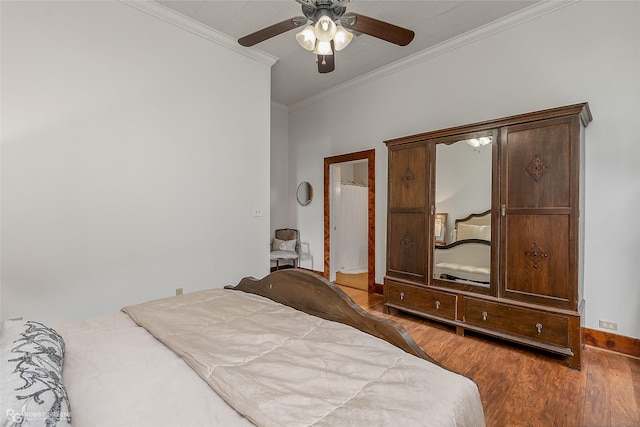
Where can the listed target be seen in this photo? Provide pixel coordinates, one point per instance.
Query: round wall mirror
(304, 194)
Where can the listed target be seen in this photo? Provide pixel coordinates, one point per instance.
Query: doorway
(345, 174)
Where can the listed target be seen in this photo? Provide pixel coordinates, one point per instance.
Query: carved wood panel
(407, 176)
(407, 246)
(536, 255)
(537, 165)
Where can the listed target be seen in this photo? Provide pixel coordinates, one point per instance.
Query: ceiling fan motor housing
(330, 8)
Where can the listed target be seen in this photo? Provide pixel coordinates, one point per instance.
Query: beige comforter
(279, 366)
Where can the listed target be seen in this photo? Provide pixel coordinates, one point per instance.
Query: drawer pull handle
(401, 296)
(437, 305)
(484, 315)
(539, 328)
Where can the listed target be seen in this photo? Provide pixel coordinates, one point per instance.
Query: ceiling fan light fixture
(323, 48)
(322, 30)
(342, 38)
(325, 29)
(307, 37)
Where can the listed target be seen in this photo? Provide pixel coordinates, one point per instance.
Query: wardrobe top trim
(581, 109)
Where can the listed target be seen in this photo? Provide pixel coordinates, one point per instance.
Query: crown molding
(279, 106)
(517, 18)
(172, 17)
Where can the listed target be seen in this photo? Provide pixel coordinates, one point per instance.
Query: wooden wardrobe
(529, 285)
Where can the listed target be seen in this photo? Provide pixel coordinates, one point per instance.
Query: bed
(467, 258)
(291, 349)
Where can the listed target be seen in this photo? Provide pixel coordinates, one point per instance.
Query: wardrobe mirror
(462, 220)
(304, 193)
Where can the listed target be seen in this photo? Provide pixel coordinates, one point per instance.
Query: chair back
(289, 234)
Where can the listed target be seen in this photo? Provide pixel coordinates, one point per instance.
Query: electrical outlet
(257, 211)
(178, 291)
(608, 325)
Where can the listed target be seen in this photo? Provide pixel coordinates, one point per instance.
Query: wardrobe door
(408, 178)
(539, 199)
(408, 246)
(407, 220)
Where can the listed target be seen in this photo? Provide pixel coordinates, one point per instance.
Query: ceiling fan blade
(271, 31)
(379, 29)
(326, 63)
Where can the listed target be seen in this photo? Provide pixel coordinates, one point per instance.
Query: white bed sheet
(117, 374)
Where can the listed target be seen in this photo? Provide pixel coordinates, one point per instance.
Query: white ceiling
(295, 77)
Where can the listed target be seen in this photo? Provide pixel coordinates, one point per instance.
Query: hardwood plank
(500, 400)
(524, 387)
(624, 410)
(534, 396)
(569, 397)
(358, 281)
(635, 377)
(597, 412)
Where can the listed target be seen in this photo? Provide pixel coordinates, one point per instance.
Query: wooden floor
(522, 387)
(358, 281)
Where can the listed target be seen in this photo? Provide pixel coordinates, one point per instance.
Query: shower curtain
(352, 229)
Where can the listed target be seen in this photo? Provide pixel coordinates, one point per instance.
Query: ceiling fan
(328, 28)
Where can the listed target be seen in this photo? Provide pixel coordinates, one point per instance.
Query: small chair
(285, 246)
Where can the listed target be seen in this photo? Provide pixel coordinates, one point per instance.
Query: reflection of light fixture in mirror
(478, 143)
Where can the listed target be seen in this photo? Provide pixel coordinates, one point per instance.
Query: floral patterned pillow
(31, 387)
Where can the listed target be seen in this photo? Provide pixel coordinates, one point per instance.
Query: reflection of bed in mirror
(467, 258)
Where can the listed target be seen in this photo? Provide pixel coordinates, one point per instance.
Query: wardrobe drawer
(532, 324)
(427, 301)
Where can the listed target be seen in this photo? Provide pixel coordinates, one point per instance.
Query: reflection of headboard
(475, 226)
(468, 258)
(483, 218)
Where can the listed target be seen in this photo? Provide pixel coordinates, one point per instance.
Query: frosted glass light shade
(325, 29)
(342, 38)
(307, 37)
(323, 48)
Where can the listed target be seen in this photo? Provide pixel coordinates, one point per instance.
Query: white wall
(128, 168)
(588, 51)
(281, 193)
